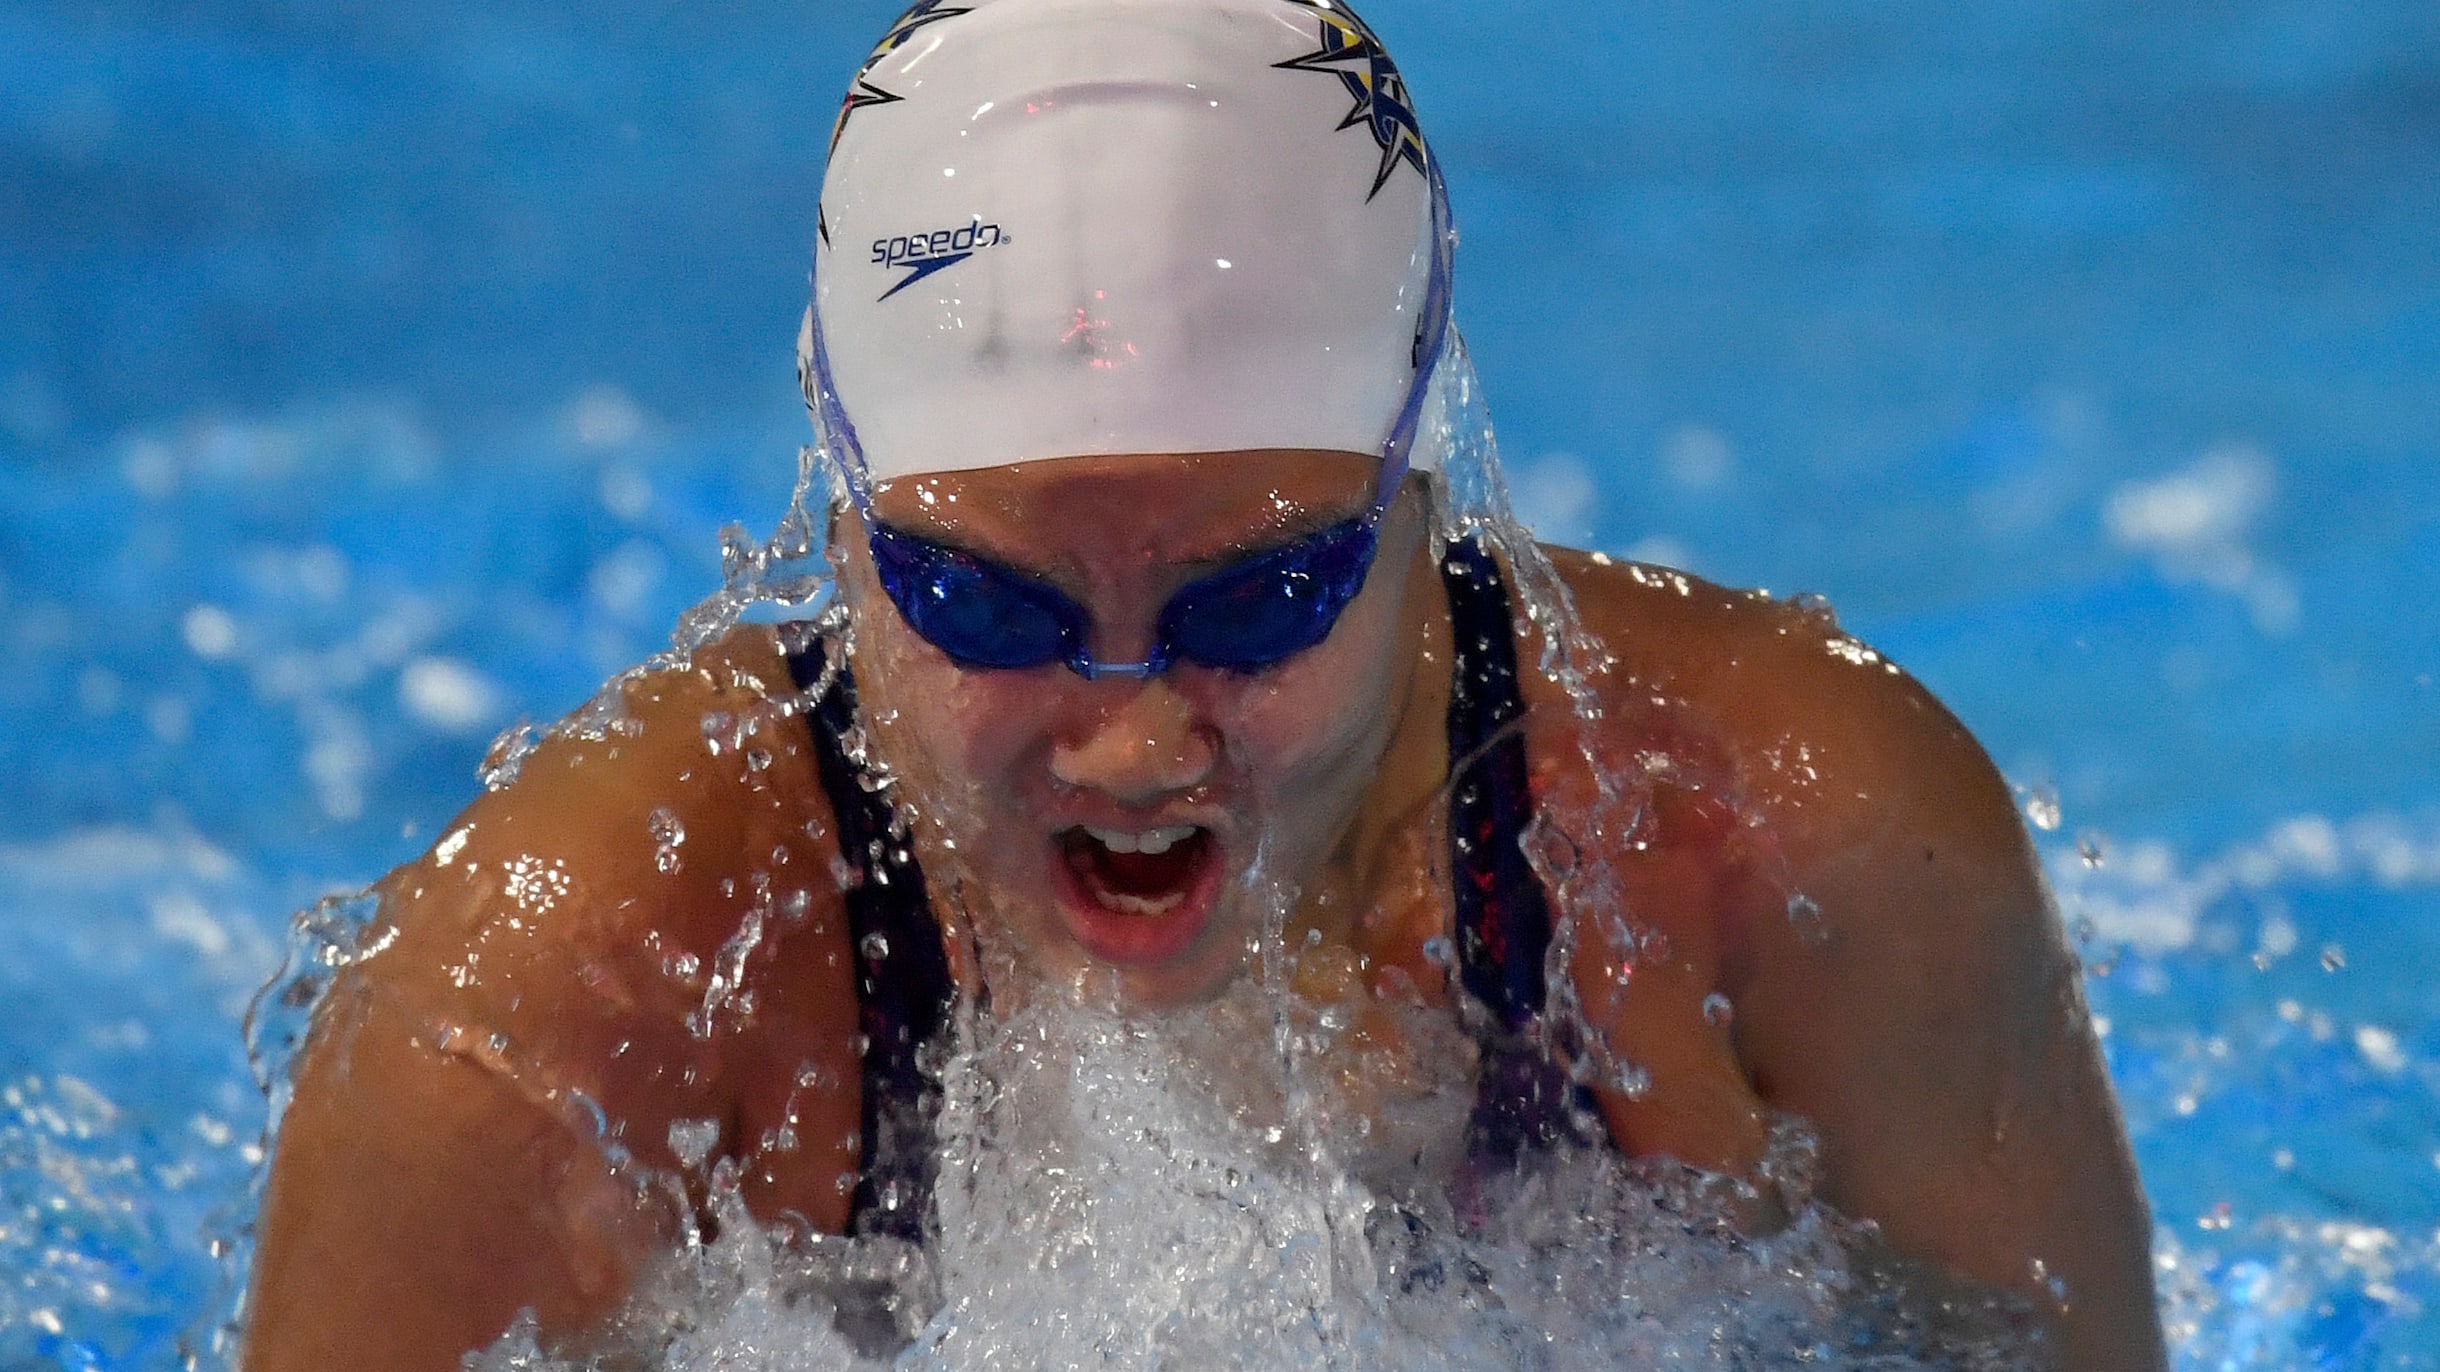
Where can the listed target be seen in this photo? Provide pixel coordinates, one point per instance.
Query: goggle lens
(1272, 606)
(979, 613)
(1245, 617)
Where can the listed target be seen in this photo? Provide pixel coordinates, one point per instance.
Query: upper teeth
(1154, 841)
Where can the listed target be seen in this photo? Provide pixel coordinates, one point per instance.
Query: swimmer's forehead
(1177, 507)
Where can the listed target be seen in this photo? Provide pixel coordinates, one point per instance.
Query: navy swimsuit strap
(1523, 1103)
(903, 988)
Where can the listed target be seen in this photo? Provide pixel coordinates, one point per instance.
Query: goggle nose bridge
(1091, 670)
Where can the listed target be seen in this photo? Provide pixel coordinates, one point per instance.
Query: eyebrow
(1294, 526)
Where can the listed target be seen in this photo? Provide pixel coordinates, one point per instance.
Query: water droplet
(667, 834)
(1815, 606)
(692, 1140)
(2333, 958)
(1439, 952)
(2042, 808)
(1716, 1010)
(1805, 915)
(875, 947)
(2093, 847)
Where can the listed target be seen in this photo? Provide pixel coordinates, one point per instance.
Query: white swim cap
(1054, 228)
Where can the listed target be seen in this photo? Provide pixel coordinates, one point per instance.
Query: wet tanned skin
(428, 1184)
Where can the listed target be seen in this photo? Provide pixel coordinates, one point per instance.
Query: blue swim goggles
(1249, 615)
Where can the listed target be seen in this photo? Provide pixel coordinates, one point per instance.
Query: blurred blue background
(373, 378)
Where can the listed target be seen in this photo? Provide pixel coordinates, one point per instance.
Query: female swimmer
(1131, 343)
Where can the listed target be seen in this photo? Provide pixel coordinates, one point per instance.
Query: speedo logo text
(922, 254)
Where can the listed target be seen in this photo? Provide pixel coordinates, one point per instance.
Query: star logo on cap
(1352, 53)
(862, 94)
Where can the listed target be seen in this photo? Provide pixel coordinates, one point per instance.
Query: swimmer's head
(1059, 228)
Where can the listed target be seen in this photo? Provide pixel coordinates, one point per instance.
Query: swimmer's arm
(1938, 1038)
(431, 1181)
(1933, 1027)
(419, 1201)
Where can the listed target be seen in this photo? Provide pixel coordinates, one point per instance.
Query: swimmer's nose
(1136, 744)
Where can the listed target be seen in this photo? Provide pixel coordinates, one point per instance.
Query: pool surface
(369, 384)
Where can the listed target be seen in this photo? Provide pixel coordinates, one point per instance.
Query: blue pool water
(368, 383)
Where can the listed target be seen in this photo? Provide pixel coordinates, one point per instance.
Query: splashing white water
(1125, 1193)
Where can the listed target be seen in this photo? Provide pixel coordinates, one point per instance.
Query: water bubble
(2279, 938)
(2381, 1049)
(1440, 952)
(2093, 847)
(1815, 606)
(875, 947)
(2042, 808)
(1632, 1080)
(1716, 1010)
(667, 834)
(506, 756)
(1805, 916)
(2333, 958)
(692, 1140)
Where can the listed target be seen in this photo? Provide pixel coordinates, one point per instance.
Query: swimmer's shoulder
(1897, 972)
(653, 810)
(640, 931)
(648, 901)
(648, 914)
(1814, 722)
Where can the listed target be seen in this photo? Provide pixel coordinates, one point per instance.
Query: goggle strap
(1397, 451)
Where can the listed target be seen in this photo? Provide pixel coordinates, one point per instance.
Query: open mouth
(1144, 872)
(1139, 895)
